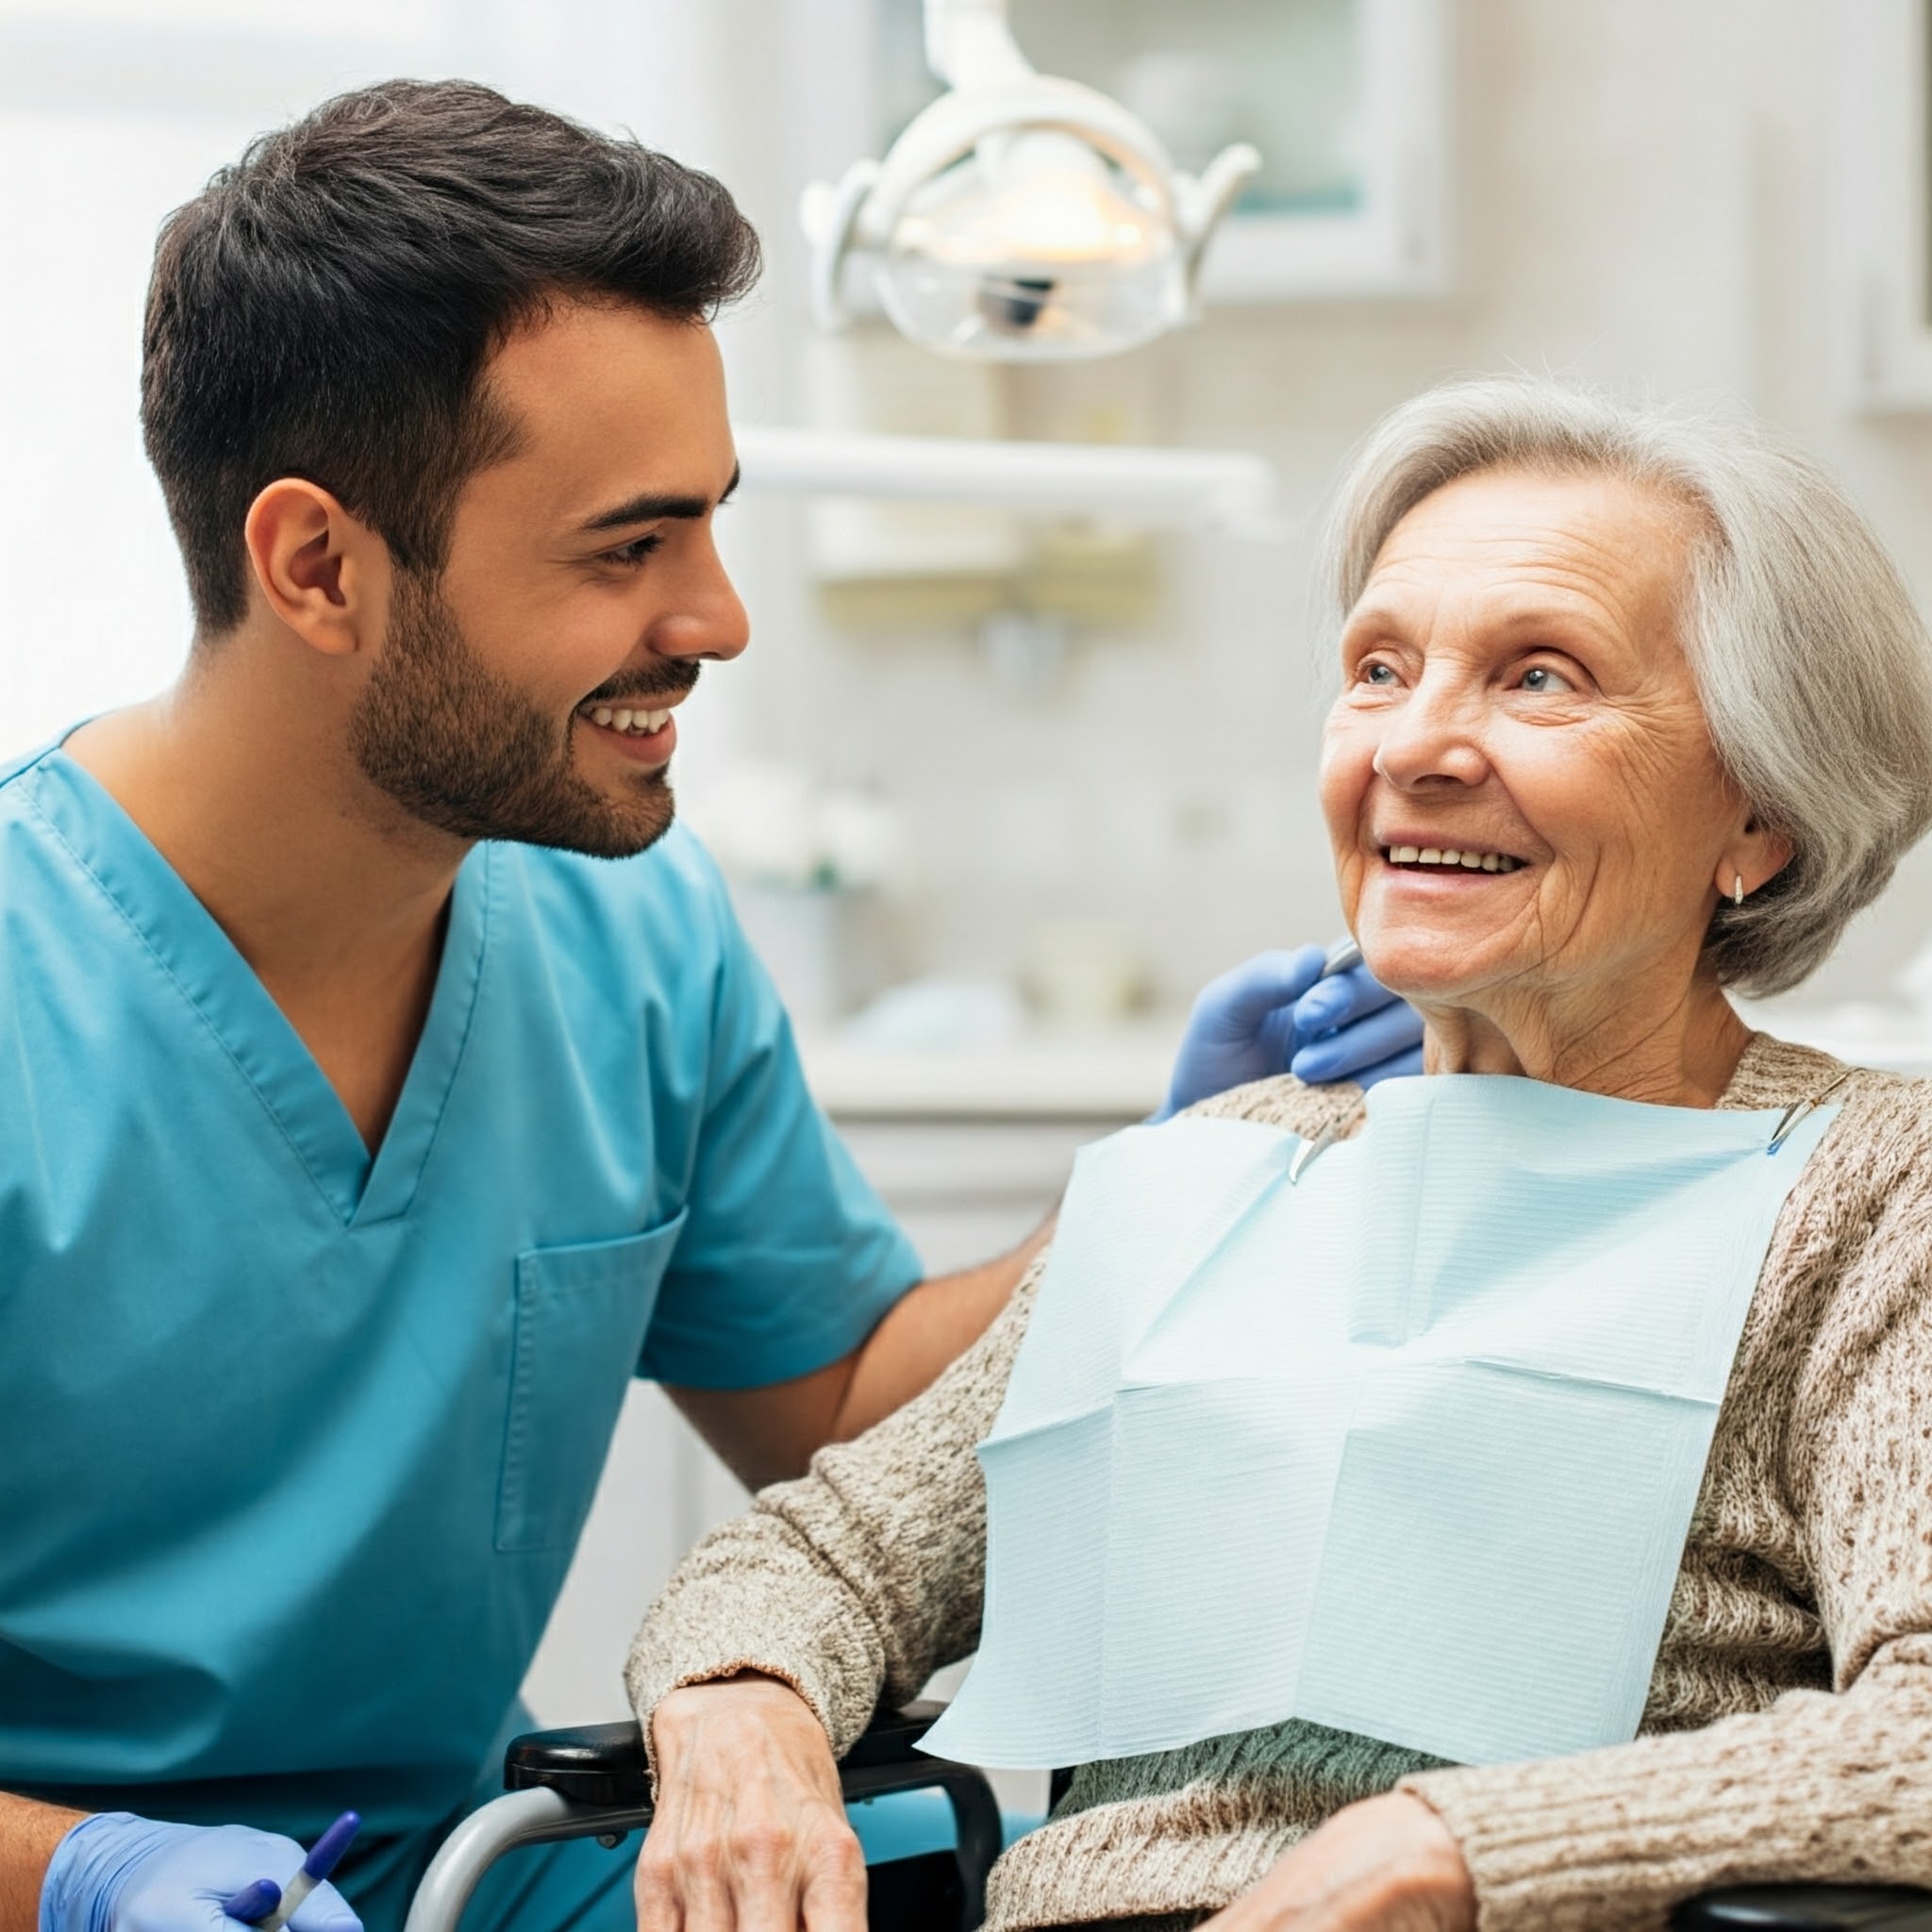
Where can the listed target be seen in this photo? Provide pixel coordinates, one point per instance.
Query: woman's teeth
(1469, 861)
(617, 717)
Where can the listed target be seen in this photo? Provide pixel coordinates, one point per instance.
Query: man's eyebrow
(650, 508)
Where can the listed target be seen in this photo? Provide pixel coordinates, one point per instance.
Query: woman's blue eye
(1378, 674)
(1540, 678)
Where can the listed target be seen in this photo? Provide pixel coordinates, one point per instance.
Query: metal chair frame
(591, 1783)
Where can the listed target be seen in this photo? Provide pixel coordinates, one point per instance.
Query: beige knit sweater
(1789, 1731)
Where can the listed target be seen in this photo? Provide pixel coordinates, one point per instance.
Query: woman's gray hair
(1811, 661)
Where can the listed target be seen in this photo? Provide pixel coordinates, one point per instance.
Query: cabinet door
(966, 1191)
(1883, 192)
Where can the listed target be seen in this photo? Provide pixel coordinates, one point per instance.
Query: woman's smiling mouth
(1448, 858)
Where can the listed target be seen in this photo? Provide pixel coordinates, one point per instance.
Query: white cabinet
(1883, 226)
(965, 1191)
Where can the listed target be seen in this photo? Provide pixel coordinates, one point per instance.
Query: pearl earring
(1736, 889)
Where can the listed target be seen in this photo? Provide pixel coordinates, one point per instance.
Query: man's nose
(706, 617)
(1434, 737)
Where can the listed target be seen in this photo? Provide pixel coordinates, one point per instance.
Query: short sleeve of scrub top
(778, 1210)
(296, 1440)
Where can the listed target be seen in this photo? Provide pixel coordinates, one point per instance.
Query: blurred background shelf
(1103, 1076)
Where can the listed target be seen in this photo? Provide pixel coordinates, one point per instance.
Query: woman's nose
(1434, 737)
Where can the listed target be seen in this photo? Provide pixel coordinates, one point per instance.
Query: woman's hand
(750, 1832)
(1388, 1864)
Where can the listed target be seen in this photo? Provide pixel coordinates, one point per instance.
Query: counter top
(1120, 1074)
(1113, 1074)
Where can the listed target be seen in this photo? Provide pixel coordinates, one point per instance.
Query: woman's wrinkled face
(1519, 783)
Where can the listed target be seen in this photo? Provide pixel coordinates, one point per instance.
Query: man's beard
(461, 750)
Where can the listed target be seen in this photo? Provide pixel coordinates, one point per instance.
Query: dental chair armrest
(600, 1769)
(604, 1764)
(1806, 1909)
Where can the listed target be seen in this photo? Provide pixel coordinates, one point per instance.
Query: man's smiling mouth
(634, 721)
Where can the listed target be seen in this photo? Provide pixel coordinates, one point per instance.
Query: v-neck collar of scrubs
(203, 962)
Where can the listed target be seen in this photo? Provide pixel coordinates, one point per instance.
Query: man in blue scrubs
(383, 1079)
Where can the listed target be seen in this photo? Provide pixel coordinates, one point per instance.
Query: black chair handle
(1806, 1909)
(603, 1765)
(594, 1764)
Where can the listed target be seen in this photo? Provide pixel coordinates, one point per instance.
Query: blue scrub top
(296, 1444)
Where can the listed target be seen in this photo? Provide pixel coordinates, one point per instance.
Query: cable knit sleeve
(861, 1578)
(1818, 1785)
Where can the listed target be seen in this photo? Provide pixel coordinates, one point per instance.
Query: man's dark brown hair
(324, 307)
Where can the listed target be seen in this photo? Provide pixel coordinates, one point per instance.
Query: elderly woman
(1632, 712)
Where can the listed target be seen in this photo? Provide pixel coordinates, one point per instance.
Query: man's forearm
(929, 1330)
(765, 1435)
(28, 1833)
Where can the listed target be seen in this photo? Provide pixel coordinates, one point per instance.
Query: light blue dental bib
(1408, 1446)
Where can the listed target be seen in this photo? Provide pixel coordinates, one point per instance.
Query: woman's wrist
(687, 1716)
(742, 1685)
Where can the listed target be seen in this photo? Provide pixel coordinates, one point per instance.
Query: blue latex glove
(117, 1872)
(1276, 1014)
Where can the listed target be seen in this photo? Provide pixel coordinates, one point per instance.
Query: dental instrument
(1345, 955)
(268, 1907)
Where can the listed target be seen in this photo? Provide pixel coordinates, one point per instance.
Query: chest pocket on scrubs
(581, 1313)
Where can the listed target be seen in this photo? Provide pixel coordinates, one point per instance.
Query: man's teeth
(1431, 855)
(619, 718)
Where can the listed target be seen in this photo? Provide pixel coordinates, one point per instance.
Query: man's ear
(325, 573)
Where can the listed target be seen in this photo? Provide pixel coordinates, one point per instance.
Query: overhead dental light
(1020, 218)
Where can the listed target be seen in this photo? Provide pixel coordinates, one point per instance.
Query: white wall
(1641, 200)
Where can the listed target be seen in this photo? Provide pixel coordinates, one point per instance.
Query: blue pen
(268, 1907)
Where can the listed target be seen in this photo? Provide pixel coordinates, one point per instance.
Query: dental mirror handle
(1345, 955)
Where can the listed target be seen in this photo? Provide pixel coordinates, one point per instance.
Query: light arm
(969, 43)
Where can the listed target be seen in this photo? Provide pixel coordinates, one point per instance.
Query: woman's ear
(1753, 859)
(324, 572)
